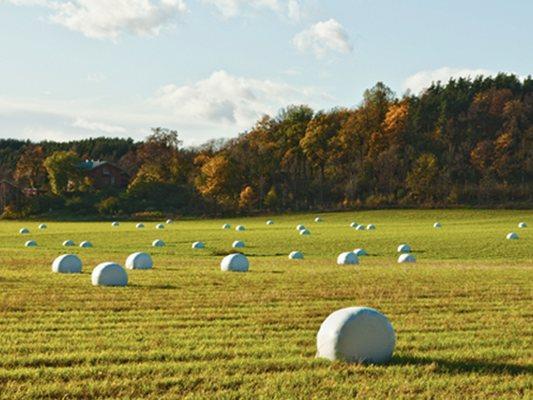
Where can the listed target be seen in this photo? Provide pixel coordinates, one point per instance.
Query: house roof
(90, 165)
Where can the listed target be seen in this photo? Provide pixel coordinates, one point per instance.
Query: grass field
(463, 314)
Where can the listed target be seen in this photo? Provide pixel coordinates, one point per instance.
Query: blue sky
(210, 68)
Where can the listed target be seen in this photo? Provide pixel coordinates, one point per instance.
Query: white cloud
(294, 10)
(232, 8)
(109, 19)
(97, 126)
(96, 77)
(229, 100)
(322, 38)
(423, 79)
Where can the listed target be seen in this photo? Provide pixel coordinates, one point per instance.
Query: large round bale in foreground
(237, 244)
(226, 226)
(198, 245)
(160, 226)
(522, 225)
(67, 264)
(406, 258)
(109, 274)
(235, 262)
(360, 252)
(404, 248)
(347, 258)
(30, 243)
(140, 225)
(305, 232)
(356, 335)
(296, 255)
(115, 224)
(24, 231)
(240, 228)
(437, 225)
(158, 243)
(512, 236)
(139, 260)
(270, 222)
(370, 227)
(43, 226)
(86, 244)
(69, 243)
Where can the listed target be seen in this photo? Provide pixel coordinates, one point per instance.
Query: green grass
(463, 313)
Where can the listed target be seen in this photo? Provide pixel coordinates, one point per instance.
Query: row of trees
(469, 142)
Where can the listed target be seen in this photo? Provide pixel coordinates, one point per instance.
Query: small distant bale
(226, 226)
(24, 231)
(237, 244)
(522, 225)
(404, 248)
(354, 225)
(169, 221)
(115, 224)
(360, 227)
(43, 226)
(296, 255)
(86, 244)
(512, 236)
(370, 227)
(30, 243)
(240, 228)
(68, 243)
(140, 225)
(437, 225)
(360, 252)
(235, 262)
(347, 258)
(139, 260)
(67, 264)
(406, 258)
(158, 243)
(318, 219)
(356, 335)
(198, 245)
(270, 222)
(305, 232)
(109, 274)
(300, 227)
(160, 226)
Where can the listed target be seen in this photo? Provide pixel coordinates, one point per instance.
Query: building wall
(108, 175)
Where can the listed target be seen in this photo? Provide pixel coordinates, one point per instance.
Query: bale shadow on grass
(463, 366)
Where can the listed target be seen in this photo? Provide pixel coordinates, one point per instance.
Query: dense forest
(468, 142)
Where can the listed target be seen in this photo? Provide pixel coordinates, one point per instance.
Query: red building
(104, 174)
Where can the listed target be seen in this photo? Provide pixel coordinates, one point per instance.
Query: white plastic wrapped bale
(160, 226)
(30, 243)
(226, 226)
(67, 264)
(296, 255)
(24, 231)
(68, 243)
(43, 226)
(140, 225)
(240, 228)
(86, 244)
(115, 224)
(300, 227)
(360, 252)
(370, 227)
(198, 245)
(360, 227)
(235, 262)
(305, 232)
(406, 258)
(318, 219)
(347, 258)
(270, 222)
(522, 225)
(169, 221)
(158, 243)
(237, 244)
(437, 225)
(356, 335)
(109, 274)
(512, 236)
(404, 248)
(353, 225)
(139, 260)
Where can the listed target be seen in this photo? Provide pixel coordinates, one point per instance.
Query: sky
(73, 69)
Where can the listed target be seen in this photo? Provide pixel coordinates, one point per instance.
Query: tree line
(468, 142)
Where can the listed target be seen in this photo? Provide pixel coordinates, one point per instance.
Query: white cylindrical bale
(360, 227)
(24, 231)
(86, 244)
(226, 226)
(305, 232)
(370, 227)
(318, 219)
(43, 226)
(160, 226)
(300, 227)
(139, 260)
(115, 223)
(356, 335)
(109, 274)
(169, 221)
(353, 225)
(360, 252)
(270, 222)
(404, 248)
(198, 245)
(158, 243)
(347, 258)
(406, 258)
(522, 225)
(30, 243)
(237, 244)
(296, 255)
(68, 243)
(67, 264)
(235, 262)
(240, 228)
(437, 225)
(139, 225)
(512, 236)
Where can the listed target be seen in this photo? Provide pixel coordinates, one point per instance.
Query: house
(104, 174)
(10, 194)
